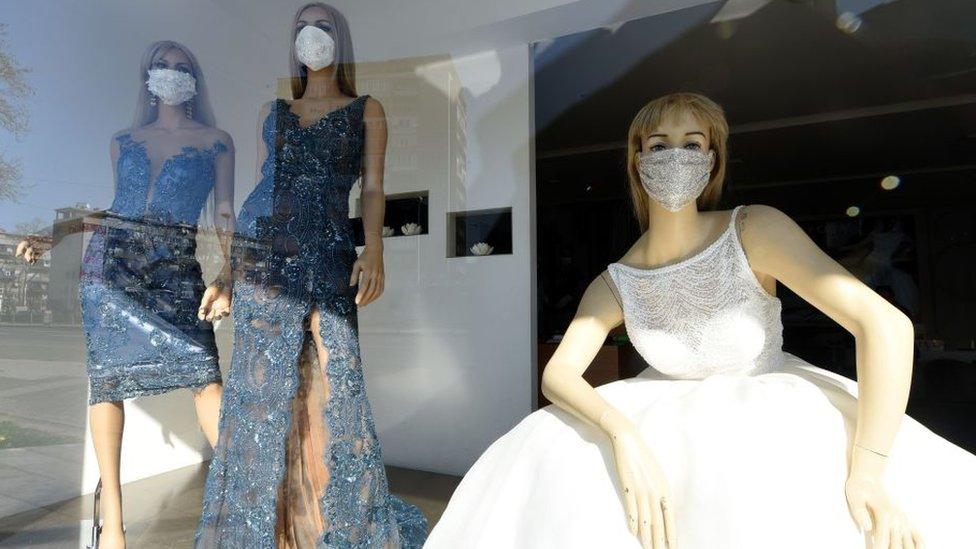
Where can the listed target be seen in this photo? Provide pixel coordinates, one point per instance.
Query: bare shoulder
(631, 256)
(374, 108)
(764, 223)
(267, 106)
(600, 300)
(764, 215)
(217, 134)
(115, 145)
(768, 234)
(120, 133)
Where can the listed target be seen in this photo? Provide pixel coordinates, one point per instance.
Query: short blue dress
(141, 284)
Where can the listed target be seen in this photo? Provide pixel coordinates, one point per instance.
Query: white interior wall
(448, 347)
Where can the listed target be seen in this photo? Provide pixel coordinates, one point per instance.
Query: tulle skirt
(753, 462)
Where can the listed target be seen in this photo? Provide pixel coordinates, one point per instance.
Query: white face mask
(674, 177)
(314, 47)
(170, 86)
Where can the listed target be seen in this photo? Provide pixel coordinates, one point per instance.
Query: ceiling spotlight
(848, 22)
(890, 182)
(853, 211)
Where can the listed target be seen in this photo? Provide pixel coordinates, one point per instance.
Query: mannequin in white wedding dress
(726, 441)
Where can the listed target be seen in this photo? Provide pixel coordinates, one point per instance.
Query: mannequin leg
(207, 403)
(301, 522)
(107, 420)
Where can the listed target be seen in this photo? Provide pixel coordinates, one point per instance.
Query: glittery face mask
(674, 177)
(314, 47)
(170, 86)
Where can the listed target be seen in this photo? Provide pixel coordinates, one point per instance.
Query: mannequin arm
(884, 336)
(643, 484)
(367, 272)
(224, 220)
(562, 378)
(374, 157)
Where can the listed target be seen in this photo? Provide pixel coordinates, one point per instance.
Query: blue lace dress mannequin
(298, 461)
(141, 284)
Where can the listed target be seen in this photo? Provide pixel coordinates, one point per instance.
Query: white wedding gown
(754, 440)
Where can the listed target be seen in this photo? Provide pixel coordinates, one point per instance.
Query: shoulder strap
(612, 287)
(738, 216)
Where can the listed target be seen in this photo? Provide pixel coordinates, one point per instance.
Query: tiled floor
(162, 511)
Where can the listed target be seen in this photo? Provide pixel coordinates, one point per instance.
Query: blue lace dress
(141, 284)
(298, 461)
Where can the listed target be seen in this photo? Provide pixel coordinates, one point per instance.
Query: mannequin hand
(367, 274)
(889, 528)
(646, 491)
(215, 303)
(28, 251)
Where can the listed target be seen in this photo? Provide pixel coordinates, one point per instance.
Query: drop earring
(153, 100)
(188, 107)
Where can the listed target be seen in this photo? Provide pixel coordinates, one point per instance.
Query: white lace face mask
(674, 177)
(170, 86)
(314, 47)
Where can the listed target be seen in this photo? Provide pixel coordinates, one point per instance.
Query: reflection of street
(43, 396)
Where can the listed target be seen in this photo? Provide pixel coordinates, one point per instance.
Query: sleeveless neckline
(325, 116)
(667, 267)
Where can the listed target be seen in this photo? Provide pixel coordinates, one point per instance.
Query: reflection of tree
(36, 226)
(13, 116)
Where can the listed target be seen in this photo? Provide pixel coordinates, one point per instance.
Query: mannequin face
(173, 59)
(315, 15)
(683, 130)
(675, 163)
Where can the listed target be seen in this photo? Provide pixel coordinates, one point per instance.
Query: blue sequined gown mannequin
(141, 284)
(298, 462)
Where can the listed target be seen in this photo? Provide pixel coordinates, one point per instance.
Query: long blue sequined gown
(141, 284)
(298, 462)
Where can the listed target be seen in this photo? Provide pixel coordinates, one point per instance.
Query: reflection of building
(67, 246)
(23, 287)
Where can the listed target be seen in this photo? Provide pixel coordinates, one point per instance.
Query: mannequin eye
(693, 146)
(657, 147)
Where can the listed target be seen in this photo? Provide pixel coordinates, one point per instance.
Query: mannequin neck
(673, 234)
(171, 117)
(321, 84)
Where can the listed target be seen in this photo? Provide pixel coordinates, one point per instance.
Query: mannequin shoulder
(373, 108)
(633, 254)
(217, 134)
(267, 107)
(119, 137)
(601, 299)
(758, 222)
(769, 236)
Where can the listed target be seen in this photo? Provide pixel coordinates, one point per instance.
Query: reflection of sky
(84, 62)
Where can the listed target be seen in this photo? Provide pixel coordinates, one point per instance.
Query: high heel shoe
(96, 529)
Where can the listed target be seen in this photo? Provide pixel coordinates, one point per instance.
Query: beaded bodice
(176, 194)
(301, 204)
(704, 315)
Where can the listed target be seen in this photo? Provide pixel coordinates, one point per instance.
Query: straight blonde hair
(650, 117)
